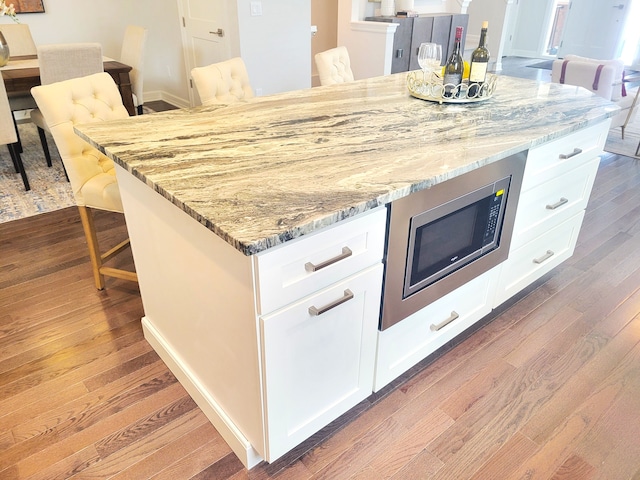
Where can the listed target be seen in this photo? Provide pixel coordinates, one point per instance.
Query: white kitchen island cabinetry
(237, 330)
(227, 204)
(556, 187)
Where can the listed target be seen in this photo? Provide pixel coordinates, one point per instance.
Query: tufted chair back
(88, 99)
(223, 82)
(334, 66)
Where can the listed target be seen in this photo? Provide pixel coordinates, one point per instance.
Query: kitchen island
(230, 210)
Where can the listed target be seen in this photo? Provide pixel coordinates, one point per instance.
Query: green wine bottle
(454, 68)
(479, 63)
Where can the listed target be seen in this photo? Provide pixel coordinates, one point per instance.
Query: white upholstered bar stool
(93, 98)
(9, 136)
(602, 77)
(132, 54)
(61, 62)
(223, 82)
(334, 66)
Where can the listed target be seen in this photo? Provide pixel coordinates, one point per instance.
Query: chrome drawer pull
(444, 323)
(310, 267)
(559, 203)
(314, 311)
(576, 151)
(546, 256)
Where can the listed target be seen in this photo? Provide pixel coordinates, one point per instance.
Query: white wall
(67, 21)
(283, 28)
(276, 46)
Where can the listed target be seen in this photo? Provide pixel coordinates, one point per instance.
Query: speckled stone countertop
(277, 167)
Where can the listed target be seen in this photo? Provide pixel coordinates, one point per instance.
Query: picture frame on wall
(28, 6)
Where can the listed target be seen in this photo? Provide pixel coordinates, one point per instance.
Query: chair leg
(45, 146)
(86, 216)
(17, 162)
(15, 125)
(98, 259)
(139, 109)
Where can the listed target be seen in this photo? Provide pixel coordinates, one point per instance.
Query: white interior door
(594, 28)
(206, 35)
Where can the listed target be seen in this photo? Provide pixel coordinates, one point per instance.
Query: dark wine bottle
(454, 68)
(479, 63)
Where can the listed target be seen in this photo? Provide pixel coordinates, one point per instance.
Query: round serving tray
(432, 89)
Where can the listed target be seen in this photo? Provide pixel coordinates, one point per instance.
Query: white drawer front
(318, 367)
(545, 162)
(406, 343)
(530, 262)
(548, 205)
(282, 275)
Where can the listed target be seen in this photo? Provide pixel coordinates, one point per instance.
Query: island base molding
(212, 410)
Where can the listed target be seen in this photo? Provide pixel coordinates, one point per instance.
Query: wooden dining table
(23, 73)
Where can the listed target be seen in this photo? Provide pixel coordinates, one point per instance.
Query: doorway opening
(554, 35)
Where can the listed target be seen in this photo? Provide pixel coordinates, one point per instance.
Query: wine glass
(429, 57)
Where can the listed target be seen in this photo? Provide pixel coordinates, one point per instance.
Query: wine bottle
(479, 63)
(454, 68)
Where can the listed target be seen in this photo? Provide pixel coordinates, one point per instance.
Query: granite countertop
(261, 172)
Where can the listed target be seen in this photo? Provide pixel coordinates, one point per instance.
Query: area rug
(50, 189)
(628, 146)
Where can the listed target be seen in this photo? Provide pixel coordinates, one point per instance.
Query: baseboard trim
(167, 97)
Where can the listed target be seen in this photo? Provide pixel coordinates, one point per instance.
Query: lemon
(465, 72)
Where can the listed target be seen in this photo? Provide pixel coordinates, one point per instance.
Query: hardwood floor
(548, 389)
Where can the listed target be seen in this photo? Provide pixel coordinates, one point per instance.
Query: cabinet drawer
(316, 367)
(545, 162)
(531, 261)
(283, 275)
(406, 343)
(548, 205)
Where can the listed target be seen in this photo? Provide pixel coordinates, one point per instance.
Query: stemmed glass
(429, 57)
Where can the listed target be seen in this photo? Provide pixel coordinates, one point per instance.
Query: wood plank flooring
(549, 388)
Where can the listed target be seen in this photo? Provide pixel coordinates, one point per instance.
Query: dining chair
(19, 39)
(61, 62)
(20, 42)
(132, 54)
(334, 66)
(92, 98)
(9, 136)
(223, 82)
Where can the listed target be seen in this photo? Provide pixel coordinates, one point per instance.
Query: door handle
(218, 32)
(619, 7)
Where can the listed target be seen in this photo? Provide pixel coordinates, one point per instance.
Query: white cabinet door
(318, 364)
(533, 260)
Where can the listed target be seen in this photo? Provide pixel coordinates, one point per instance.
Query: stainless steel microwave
(442, 237)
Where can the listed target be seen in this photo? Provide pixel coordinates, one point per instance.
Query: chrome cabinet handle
(576, 151)
(315, 311)
(435, 327)
(544, 257)
(310, 267)
(559, 203)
